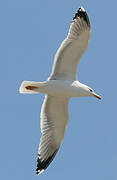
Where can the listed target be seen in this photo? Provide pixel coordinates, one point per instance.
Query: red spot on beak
(97, 96)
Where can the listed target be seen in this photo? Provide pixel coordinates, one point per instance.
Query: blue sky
(30, 33)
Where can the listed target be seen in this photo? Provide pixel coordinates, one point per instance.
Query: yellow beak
(97, 96)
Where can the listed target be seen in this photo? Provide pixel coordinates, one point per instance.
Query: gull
(59, 88)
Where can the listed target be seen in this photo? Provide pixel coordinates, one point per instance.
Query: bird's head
(84, 90)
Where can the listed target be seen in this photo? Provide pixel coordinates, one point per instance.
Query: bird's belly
(60, 88)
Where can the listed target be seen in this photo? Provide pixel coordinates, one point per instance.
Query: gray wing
(72, 48)
(54, 119)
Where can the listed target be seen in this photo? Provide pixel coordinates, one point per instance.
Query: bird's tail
(30, 87)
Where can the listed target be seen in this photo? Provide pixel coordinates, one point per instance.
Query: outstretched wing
(72, 48)
(54, 118)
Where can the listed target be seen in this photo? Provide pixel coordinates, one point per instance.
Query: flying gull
(59, 88)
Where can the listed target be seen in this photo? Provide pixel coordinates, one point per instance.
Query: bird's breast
(60, 88)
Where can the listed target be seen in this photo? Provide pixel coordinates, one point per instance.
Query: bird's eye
(91, 90)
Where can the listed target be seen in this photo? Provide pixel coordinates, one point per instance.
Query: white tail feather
(24, 90)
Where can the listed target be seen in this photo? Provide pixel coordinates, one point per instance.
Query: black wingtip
(42, 165)
(82, 14)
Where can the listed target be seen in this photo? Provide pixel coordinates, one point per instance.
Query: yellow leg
(31, 87)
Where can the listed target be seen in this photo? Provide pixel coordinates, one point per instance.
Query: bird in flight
(59, 88)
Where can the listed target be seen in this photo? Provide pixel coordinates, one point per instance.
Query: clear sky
(30, 33)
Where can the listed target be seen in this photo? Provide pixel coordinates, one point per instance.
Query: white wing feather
(72, 48)
(54, 119)
(54, 113)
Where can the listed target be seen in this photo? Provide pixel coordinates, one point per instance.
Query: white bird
(59, 88)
